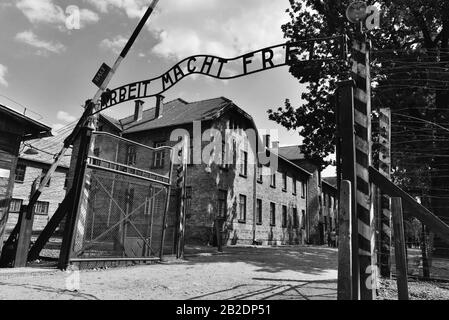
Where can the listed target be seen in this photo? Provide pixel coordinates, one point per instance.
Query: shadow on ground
(308, 260)
(280, 289)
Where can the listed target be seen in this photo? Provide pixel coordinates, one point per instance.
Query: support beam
(416, 209)
(50, 228)
(399, 248)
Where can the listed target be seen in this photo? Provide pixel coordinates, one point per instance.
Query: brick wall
(54, 194)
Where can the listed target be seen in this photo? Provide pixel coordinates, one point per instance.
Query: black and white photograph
(234, 158)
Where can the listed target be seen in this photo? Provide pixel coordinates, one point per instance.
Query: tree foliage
(409, 71)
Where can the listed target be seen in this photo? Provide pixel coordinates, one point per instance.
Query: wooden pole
(385, 169)
(344, 288)
(25, 230)
(399, 248)
(345, 124)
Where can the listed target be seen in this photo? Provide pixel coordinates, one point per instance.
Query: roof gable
(179, 112)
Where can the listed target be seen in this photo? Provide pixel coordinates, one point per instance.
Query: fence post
(399, 248)
(79, 190)
(344, 289)
(384, 168)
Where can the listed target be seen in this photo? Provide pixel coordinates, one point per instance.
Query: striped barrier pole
(362, 129)
(385, 212)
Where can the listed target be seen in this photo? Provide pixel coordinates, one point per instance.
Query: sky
(47, 67)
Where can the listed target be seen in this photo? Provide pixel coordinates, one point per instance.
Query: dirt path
(237, 273)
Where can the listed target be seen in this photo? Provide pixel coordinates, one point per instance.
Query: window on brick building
(41, 207)
(303, 219)
(303, 189)
(273, 180)
(259, 211)
(295, 218)
(259, 172)
(294, 186)
(131, 156)
(243, 163)
(159, 156)
(222, 197)
(242, 208)
(20, 173)
(14, 205)
(44, 172)
(284, 181)
(66, 181)
(224, 155)
(272, 214)
(284, 217)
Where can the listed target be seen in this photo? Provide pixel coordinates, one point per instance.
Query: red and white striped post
(360, 72)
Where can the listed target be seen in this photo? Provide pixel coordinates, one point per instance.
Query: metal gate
(124, 212)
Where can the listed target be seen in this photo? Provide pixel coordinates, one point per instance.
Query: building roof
(332, 181)
(32, 128)
(291, 152)
(43, 150)
(178, 112)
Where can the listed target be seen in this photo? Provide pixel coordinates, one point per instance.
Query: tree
(410, 72)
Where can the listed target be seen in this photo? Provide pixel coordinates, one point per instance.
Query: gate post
(79, 188)
(181, 180)
(362, 136)
(346, 166)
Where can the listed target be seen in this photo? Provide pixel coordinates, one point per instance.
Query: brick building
(257, 204)
(14, 129)
(35, 158)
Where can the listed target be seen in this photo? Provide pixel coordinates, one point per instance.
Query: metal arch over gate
(229, 68)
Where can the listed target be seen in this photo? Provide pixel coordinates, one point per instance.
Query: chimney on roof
(159, 106)
(138, 110)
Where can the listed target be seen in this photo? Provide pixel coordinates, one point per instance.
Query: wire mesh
(123, 204)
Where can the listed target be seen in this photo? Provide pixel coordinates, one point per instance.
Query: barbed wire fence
(419, 147)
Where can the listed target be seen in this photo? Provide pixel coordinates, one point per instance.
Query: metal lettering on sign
(221, 68)
(101, 75)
